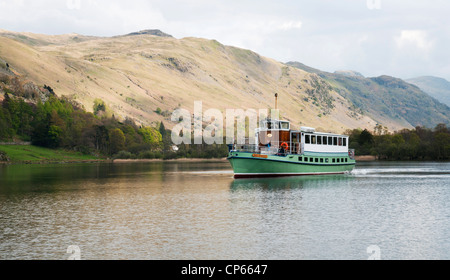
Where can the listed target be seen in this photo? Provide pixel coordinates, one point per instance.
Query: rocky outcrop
(154, 32)
(4, 157)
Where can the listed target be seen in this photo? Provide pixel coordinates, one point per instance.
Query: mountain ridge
(436, 87)
(147, 77)
(387, 97)
(154, 32)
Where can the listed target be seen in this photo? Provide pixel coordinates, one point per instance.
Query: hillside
(438, 88)
(388, 100)
(147, 75)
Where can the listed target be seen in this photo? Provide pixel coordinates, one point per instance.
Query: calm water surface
(184, 211)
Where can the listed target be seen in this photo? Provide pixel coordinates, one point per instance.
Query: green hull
(247, 165)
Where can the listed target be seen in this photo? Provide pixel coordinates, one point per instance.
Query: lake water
(189, 211)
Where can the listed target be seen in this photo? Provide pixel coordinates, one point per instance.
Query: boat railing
(271, 149)
(245, 148)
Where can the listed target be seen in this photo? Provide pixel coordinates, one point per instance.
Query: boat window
(313, 140)
(327, 160)
(306, 159)
(340, 141)
(345, 142)
(330, 141)
(284, 125)
(325, 142)
(334, 160)
(335, 141)
(321, 160)
(273, 125)
(307, 139)
(338, 160)
(346, 160)
(317, 160)
(319, 140)
(311, 160)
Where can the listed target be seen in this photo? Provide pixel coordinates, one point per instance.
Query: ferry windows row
(322, 160)
(325, 140)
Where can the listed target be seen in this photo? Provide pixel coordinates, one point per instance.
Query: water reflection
(51, 178)
(197, 210)
(283, 183)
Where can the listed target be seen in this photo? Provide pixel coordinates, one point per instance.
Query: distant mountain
(349, 73)
(387, 99)
(147, 75)
(37, 40)
(304, 67)
(438, 88)
(154, 32)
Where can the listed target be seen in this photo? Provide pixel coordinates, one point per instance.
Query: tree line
(420, 143)
(59, 123)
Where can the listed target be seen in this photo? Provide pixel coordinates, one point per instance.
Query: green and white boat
(279, 151)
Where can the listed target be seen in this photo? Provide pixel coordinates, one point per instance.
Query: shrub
(124, 155)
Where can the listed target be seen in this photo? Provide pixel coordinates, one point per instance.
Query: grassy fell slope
(137, 74)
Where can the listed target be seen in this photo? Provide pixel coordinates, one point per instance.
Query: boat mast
(276, 101)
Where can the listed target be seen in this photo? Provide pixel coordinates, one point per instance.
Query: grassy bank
(33, 154)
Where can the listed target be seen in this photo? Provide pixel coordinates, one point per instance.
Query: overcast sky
(397, 37)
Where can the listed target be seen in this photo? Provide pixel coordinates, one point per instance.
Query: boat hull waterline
(248, 166)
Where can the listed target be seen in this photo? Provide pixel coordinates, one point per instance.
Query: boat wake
(412, 172)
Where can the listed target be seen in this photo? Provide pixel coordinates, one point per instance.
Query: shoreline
(169, 160)
(114, 161)
(366, 158)
(51, 162)
(180, 160)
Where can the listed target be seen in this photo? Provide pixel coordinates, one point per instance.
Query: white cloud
(414, 38)
(288, 25)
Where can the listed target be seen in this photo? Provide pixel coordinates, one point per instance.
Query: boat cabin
(276, 137)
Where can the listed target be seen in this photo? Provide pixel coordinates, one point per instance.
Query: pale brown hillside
(136, 75)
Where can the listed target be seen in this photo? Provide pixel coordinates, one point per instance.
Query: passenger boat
(279, 151)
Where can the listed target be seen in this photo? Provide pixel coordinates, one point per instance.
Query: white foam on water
(407, 172)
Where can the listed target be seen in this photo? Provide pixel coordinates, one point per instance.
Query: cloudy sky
(397, 37)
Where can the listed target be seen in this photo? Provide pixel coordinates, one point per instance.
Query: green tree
(151, 135)
(99, 107)
(6, 131)
(101, 138)
(54, 136)
(166, 137)
(366, 137)
(442, 144)
(41, 125)
(116, 141)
